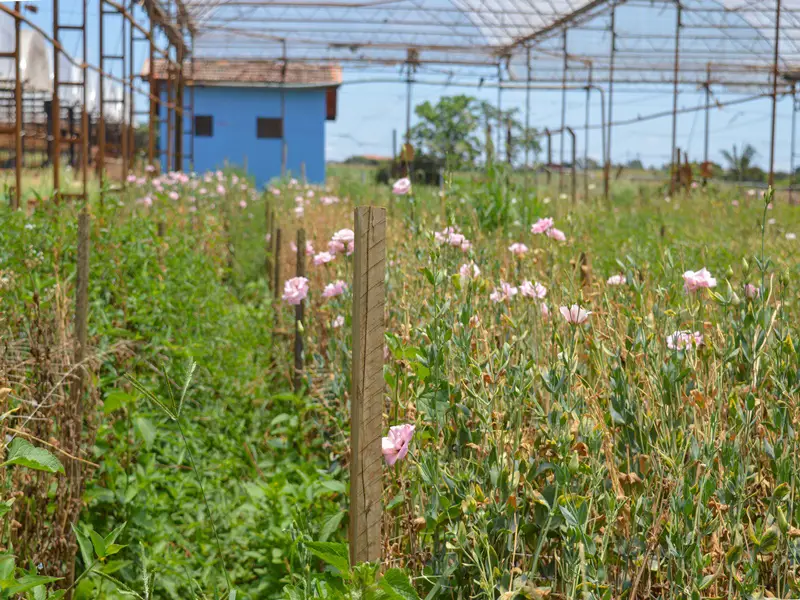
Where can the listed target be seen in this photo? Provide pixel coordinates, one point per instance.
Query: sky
(369, 112)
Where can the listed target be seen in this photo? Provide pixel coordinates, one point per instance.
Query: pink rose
(395, 445)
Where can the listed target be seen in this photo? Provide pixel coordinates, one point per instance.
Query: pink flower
(328, 200)
(146, 201)
(505, 292)
(334, 289)
(402, 186)
(243, 187)
(769, 206)
(469, 270)
(341, 239)
(542, 225)
(575, 314)
(242, 203)
(173, 195)
(202, 191)
(545, 311)
(616, 280)
(694, 185)
(323, 257)
(751, 291)
(395, 445)
(695, 280)
(338, 322)
(192, 209)
(680, 340)
(219, 175)
(532, 290)
(275, 192)
(234, 179)
(518, 249)
(292, 182)
(556, 234)
(299, 211)
(150, 168)
(131, 178)
(310, 194)
(751, 192)
(295, 290)
(474, 321)
(220, 189)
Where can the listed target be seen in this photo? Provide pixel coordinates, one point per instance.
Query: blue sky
(369, 112)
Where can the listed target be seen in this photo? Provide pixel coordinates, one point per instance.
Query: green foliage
(21, 452)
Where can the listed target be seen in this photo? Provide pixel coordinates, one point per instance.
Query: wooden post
(367, 396)
(303, 173)
(585, 269)
(276, 280)
(298, 312)
(268, 242)
(82, 297)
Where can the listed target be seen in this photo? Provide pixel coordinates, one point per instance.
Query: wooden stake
(276, 281)
(298, 312)
(367, 396)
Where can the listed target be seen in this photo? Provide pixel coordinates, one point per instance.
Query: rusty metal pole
(676, 66)
(101, 122)
(55, 108)
(153, 117)
(573, 169)
(131, 107)
(17, 201)
(610, 120)
(771, 180)
(563, 114)
(85, 145)
(123, 117)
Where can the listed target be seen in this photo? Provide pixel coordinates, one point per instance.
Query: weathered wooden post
(276, 256)
(298, 312)
(367, 394)
(268, 241)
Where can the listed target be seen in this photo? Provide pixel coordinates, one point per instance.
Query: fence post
(81, 303)
(367, 395)
(298, 312)
(268, 241)
(276, 280)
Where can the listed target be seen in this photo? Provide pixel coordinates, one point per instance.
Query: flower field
(583, 400)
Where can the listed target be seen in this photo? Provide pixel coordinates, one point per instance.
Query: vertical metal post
(573, 168)
(55, 108)
(18, 162)
(191, 101)
(707, 132)
(178, 159)
(676, 67)
(85, 145)
(771, 179)
(586, 134)
(792, 153)
(499, 109)
(101, 95)
(276, 256)
(563, 114)
(123, 117)
(409, 81)
(607, 161)
(154, 91)
(131, 107)
(549, 155)
(527, 112)
(299, 312)
(284, 146)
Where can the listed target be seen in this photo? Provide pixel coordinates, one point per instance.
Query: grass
(548, 459)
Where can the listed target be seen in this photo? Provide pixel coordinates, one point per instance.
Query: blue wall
(235, 110)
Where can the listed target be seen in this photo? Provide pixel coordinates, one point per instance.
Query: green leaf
(98, 543)
(28, 582)
(85, 545)
(23, 453)
(330, 526)
(7, 564)
(232, 595)
(336, 555)
(5, 507)
(397, 585)
(115, 400)
(150, 396)
(334, 486)
(112, 537)
(146, 430)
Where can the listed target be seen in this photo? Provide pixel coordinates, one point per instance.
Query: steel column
(527, 112)
(586, 134)
(771, 179)
(610, 120)
(16, 202)
(499, 109)
(708, 114)
(795, 107)
(676, 67)
(55, 108)
(154, 91)
(563, 114)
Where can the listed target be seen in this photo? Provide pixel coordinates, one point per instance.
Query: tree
(446, 131)
(740, 166)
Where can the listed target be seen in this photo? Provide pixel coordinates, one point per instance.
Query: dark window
(269, 128)
(203, 126)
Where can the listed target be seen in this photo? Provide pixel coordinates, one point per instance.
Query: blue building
(264, 115)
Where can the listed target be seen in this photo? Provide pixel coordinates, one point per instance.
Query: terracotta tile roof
(253, 72)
